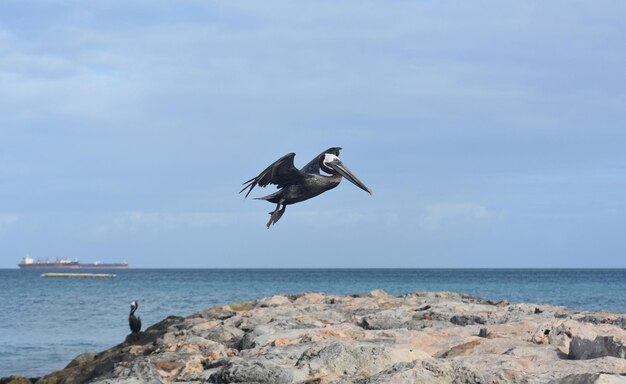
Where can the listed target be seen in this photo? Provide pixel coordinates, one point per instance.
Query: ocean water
(45, 322)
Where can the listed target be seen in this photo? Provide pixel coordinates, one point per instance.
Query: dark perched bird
(133, 321)
(297, 185)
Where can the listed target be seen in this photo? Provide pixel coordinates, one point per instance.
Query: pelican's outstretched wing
(282, 172)
(314, 165)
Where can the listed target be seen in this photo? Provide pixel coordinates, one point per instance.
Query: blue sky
(491, 132)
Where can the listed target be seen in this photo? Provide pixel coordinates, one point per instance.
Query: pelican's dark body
(297, 185)
(312, 185)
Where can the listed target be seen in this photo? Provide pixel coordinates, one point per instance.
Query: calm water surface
(44, 323)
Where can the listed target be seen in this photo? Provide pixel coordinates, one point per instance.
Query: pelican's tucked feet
(276, 215)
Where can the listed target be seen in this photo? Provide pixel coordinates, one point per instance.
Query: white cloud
(166, 221)
(438, 216)
(7, 220)
(331, 218)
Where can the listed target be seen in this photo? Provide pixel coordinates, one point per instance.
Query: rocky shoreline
(369, 339)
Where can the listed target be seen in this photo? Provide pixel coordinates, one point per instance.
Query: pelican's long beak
(338, 166)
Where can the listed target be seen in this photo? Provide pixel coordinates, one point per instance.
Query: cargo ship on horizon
(66, 263)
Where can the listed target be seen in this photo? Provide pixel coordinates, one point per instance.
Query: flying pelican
(133, 321)
(299, 185)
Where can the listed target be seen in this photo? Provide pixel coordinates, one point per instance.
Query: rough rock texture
(368, 339)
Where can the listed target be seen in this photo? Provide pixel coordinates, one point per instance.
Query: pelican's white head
(329, 158)
(334, 166)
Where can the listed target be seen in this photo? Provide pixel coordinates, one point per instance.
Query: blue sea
(45, 322)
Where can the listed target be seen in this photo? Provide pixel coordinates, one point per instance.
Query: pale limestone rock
(592, 378)
(274, 301)
(379, 293)
(422, 337)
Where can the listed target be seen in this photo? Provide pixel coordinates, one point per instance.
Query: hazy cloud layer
(437, 216)
(7, 220)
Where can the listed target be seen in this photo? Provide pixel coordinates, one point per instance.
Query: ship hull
(48, 266)
(103, 266)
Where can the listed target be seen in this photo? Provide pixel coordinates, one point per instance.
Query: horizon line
(339, 268)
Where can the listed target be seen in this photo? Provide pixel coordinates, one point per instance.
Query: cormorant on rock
(133, 321)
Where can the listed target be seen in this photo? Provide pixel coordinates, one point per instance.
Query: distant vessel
(101, 265)
(60, 263)
(66, 263)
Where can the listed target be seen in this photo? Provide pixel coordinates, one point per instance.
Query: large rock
(252, 371)
(352, 359)
(592, 378)
(15, 380)
(584, 348)
(369, 339)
